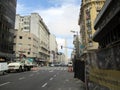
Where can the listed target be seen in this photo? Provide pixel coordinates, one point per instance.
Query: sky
(60, 16)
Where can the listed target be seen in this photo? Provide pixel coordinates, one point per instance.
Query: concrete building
(7, 21)
(35, 25)
(53, 49)
(26, 43)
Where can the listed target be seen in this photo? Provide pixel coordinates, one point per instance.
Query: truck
(28, 64)
(19, 65)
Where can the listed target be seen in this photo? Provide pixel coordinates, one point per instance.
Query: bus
(3, 66)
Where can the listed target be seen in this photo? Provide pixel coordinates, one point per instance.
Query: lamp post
(77, 44)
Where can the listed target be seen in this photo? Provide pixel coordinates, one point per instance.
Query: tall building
(7, 21)
(88, 12)
(53, 49)
(35, 25)
(61, 58)
(66, 56)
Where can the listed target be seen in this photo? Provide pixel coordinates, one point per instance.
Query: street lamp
(77, 44)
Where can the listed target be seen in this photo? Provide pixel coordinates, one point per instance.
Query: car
(52, 65)
(70, 63)
(15, 66)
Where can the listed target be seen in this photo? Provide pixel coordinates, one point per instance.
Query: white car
(16, 66)
(70, 63)
(52, 65)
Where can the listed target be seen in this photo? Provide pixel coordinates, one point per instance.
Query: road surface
(43, 78)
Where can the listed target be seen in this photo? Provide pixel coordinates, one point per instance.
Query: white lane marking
(51, 71)
(51, 78)
(44, 85)
(31, 75)
(21, 78)
(38, 73)
(59, 89)
(4, 83)
(54, 76)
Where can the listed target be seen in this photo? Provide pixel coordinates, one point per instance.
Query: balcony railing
(102, 10)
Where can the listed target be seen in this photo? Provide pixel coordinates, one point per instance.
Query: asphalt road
(44, 78)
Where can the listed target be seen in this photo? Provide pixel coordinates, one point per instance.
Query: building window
(20, 37)
(87, 0)
(26, 28)
(19, 44)
(26, 22)
(90, 35)
(28, 53)
(29, 38)
(29, 44)
(2, 36)
(90, 43)
(14, 36)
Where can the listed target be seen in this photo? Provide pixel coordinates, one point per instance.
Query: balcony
(107, 19)
(107, 3)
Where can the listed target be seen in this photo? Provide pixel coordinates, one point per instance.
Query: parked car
(52, 65)
(16, 66)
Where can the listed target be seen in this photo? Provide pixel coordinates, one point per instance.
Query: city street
(43, 78)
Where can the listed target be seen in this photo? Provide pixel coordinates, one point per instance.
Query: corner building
(88, 13)
(39, 33)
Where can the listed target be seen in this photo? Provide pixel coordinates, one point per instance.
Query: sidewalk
(71, 83)
(77, 84)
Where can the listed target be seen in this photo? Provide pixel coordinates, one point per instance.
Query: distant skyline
(60, 16)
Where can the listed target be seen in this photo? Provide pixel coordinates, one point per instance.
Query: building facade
(105, 73)
(7, 21)
(35, 25)
(53, 49)
(76, 43)
(88, 12)
(61, 58)
(26, 43)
